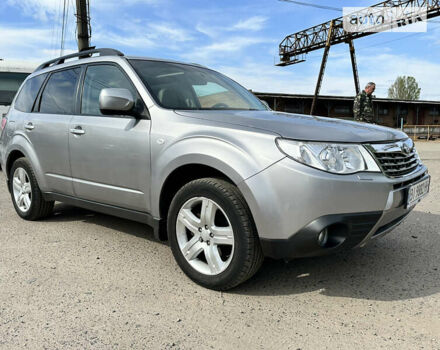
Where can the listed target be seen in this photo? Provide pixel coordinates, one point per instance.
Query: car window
(212, 94)
(28, 94)
(59, 93)
(100, 77)
(182, 86)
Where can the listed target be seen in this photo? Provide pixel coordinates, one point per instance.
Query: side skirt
(129, 214)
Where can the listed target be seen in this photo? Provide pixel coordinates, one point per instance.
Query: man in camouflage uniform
(363, 104)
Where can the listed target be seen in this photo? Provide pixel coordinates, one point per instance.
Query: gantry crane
(293, 48)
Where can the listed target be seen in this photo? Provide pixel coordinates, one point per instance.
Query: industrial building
(387, 112)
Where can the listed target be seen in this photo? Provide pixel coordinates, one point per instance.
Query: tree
(404, 88)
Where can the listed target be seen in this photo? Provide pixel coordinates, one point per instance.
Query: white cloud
(136, 41)
(108, 7)
(163, 31)
(30, 44)
(24, 43)
(223, 49)
(138, 35)
(40, 9)
(253, 23)
(209, 30)
(45, 10)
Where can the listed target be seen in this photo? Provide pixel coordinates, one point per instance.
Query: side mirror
(116, 101)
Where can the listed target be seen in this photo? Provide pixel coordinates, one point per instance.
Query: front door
(109, 154)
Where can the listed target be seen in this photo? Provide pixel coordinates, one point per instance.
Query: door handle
(29, 126)
(77, 131)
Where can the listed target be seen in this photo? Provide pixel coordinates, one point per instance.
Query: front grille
(396, 159)
(397, 164)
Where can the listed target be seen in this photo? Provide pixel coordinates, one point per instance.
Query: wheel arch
(12, 157)
(21, 147)
(177, 179)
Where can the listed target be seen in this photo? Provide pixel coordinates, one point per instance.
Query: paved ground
(84, 280)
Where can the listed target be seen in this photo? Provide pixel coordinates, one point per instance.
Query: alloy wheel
(22, 189)
(205, 235)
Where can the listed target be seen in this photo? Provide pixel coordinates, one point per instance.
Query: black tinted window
(59, 94)
(102, 77)
(28, 94)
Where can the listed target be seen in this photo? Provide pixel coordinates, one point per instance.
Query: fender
(20, 142)
(226, 157)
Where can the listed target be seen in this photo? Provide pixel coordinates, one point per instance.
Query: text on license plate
(417, 191)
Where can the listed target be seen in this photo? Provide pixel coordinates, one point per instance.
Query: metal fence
(423, 132)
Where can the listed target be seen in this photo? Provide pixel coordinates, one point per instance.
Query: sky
(239, 38)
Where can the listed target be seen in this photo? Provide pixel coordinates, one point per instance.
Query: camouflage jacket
(363, 108)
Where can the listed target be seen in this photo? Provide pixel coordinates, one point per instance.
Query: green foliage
(404, 88)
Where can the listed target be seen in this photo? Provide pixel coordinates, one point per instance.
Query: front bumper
(345, 231)
(292, 203)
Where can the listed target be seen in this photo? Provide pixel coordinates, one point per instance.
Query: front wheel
(212, 235)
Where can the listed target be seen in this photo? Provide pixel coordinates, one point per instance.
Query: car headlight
(419, 160)
(338, 158)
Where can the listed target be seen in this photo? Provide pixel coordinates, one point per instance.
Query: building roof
(341, 98)
(14, 66)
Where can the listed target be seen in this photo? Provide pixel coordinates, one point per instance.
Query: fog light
(323, 237)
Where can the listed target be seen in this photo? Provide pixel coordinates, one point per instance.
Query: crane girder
(314, 38)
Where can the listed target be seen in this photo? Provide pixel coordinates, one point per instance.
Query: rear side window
(105, 76)
(28, 93)
(59, 93)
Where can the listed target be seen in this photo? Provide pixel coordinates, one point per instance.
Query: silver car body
(125, 162)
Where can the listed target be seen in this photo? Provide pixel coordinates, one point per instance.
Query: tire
(230, 234)
(32, 206)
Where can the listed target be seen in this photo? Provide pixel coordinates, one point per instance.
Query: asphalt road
(81, 280)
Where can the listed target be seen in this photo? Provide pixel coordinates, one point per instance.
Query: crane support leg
(322, 69)
(354, 66)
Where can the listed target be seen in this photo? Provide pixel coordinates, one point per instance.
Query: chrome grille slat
(398, 163)
(399, 170)
(396, 159)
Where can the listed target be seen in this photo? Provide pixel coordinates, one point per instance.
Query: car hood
(302, 127)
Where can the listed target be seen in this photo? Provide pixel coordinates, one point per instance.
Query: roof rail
(81, 54)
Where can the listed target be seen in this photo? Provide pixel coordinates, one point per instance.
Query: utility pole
(83, 24)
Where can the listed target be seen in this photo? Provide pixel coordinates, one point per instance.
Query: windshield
(182, 86)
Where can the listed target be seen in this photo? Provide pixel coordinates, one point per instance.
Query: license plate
(417, 191)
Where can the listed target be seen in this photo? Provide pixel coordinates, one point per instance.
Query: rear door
(110, 154)
(48, 128)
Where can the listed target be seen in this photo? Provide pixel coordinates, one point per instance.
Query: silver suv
(199, 158)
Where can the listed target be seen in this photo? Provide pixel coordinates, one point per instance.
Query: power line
(63, 29)
(57, 21)
(74, 28)
(313, 5)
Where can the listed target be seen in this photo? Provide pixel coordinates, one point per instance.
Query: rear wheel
(212, 234)
(25, 193)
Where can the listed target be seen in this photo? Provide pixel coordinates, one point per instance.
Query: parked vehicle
(199, 158)
(12, 75)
